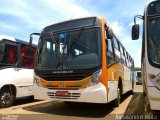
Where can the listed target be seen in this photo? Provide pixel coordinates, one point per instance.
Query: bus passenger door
(112, 84)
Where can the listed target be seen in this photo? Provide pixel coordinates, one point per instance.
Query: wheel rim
(6, 98)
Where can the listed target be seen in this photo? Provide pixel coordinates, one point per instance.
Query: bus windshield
(154, 40)
(69, 50)
(153, 8)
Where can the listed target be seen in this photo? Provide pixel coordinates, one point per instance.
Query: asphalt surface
(130, 105)
(25, 100)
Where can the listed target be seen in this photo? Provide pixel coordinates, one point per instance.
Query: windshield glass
(70, 49)
(154, 8)
(154, 40)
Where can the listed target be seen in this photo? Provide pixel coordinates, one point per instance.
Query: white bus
(138, 76)
(150, 61)
(16, 70)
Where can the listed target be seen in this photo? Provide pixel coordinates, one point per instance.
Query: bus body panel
(127, 86)
(104, 76)
(112, 91)
(154, 98)
(153, 93)
(117, 72)
(128, 81)
(21, 78)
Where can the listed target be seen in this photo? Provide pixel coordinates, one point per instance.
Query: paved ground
(62, 111)
(47, 110)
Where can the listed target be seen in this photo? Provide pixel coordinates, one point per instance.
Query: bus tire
(68, 102)
(144, 90)
(31, 97)
(131, 92)
(6, 97)
(117, 100)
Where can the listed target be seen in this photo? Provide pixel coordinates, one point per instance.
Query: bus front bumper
(93, 94)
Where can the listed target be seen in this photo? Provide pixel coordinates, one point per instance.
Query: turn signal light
(151, 76)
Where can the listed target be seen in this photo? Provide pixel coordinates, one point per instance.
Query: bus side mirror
(135, 32)
(109, 33)
(31, 38)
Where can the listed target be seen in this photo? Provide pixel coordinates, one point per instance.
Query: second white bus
(150, 52)
(16, 70)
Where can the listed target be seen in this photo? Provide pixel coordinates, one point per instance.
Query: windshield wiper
(57, 44)
(70, 43)
(60, 64)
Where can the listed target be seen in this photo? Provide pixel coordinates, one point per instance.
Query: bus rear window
(11, 54)
(27, 56)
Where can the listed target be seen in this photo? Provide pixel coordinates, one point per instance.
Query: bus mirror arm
(31, 38)
(138, 16)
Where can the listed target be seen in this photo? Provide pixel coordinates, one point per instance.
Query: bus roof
(148, 2)
(9, 38)
(72, 24)
(2, 37)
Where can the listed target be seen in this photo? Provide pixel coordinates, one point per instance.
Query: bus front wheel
(6, 97)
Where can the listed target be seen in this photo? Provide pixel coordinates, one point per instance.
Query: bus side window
(110, 54)
(122, 54)
(116, 49)
(11, 54)
(127, 60)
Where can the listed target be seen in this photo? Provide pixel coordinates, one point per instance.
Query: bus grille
(64, 77)
(70, 95)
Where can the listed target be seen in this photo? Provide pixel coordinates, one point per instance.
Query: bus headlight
(95, 78)
(155, 79)
(37, 80)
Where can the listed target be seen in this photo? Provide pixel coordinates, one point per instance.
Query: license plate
(62, 93)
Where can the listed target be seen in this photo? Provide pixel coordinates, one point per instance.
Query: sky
(20, 18)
